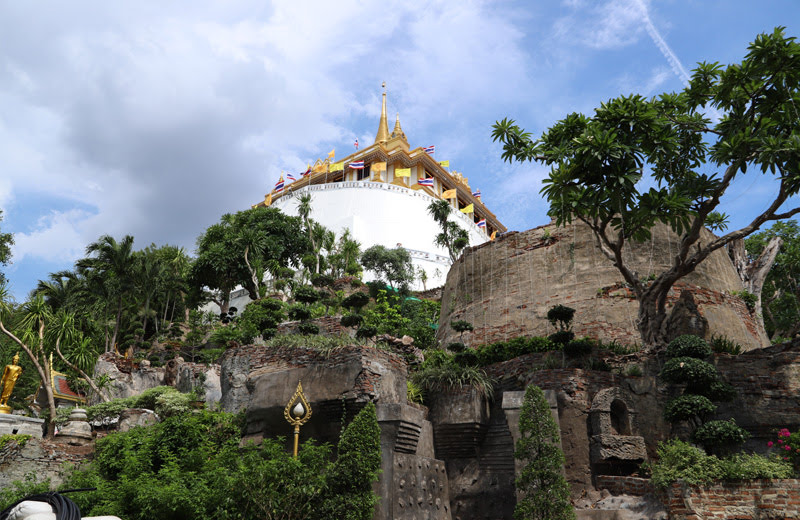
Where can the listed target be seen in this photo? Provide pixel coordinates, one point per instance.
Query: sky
(155, 118)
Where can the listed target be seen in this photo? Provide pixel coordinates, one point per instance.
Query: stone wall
(505, 287)
(39, 458)
(616, 485)
(753, 500)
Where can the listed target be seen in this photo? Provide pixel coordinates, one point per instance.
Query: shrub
(351, 320)
(170, 404)
(210, 355)
(414, 393)
(366, 332)
(19, 489)
(678, 460)
(749, 299)
(688, 370)
(299, 312)
(438, 376)
(633, 371)
(306, 294)
(578, 347)
(263, 315)
(466, 358)
(688, 345)
(746, 466)
(560, 316)
(461, 326)
(308, 328)
(716, 390)
(223, 336)
(321, 280)
(720, 436)
(723, 345)
(456, 346)
(355, 301)
(561, 337)
(787, 446)
(687, 407)
(544, 492)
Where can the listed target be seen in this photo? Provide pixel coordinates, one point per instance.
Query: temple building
(381, 194)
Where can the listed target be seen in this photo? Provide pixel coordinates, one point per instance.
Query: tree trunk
(651, 321)
(754, 274)
(51, 402)
(116, 324)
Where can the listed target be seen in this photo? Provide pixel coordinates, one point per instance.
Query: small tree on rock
(545, 492)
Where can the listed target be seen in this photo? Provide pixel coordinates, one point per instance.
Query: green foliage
(414, 393)
(787, 448)
(618, 348)
(18, 439)
(452, 237)
(579, 347)
(321, 280)
(6, 241)
(210, 356)
(299, 312)
(306, 294)
(348, 494)
(560, 316)
(750, 300)
(461, 326)
(544, 490)
(680, 461)
(356, 301)
(392, 266)
(597, 162)
(308, 328)
(723, 345)
(515, 347)
(439, 372)
(264, 315)
(466, 358)
(366, 332)
(351, 320)
(456, 347)
(562, 337)
(633, 371)
(224, 335)
(720, 436)
(693, 371)
(688, 345)
(716, 390)
(324, 344)
(687, 407)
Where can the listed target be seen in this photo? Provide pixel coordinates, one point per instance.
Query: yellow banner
(444, 164)
(331, 153)
(449, 194)
(378, 167)
(402, 172)
(468, 209)
(335, 167)
(494, 234)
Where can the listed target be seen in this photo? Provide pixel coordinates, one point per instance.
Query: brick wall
(752, 500)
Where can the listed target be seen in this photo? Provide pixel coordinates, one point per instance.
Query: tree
(392, 266)
(597, 163)
(238, 249)
(545, 492)
(781, 290)
(6, 241)
(453, 237)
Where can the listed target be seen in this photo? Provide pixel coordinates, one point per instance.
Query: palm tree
(146, 275)
(115, 261)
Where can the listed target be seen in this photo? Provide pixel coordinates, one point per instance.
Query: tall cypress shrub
(545, 492)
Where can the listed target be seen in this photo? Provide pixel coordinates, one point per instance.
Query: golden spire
(398, 132)
(383, 126)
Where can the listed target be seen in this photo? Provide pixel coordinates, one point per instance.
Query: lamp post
(297, 413)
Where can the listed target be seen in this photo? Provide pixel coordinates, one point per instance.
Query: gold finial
(398, 132)
(383, 127)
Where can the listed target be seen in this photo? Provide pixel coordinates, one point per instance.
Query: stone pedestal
(77, 431)
(20, 425)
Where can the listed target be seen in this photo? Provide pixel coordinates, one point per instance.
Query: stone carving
(77, 431)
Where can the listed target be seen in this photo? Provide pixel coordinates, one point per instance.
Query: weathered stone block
(611, 448)
(20, 425)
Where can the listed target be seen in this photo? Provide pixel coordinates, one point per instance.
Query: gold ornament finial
(383, 127)
(297, 413)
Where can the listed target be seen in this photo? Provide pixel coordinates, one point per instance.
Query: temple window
(619, 418)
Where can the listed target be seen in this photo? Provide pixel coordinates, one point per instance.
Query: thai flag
(279, 185)
(290, 177)
(357, 165)
(307, 172)
(476, 193)
(426, 182)
(356, 143)
(429, 149)
(482, 222)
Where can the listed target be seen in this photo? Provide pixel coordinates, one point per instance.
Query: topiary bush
(299, 312)
(688, 370)
(560, 316)
(308, 328)
(456, 346)
(466, 358)
(351, 320)
(716, 390)
(720, 436)
(355, 301)
(688, 345)
(366, 332)
(561, 337)
(687, 407)
(578, 347)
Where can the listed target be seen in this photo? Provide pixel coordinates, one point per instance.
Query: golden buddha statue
(10, 375)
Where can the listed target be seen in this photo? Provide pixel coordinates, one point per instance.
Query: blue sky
(154, 118)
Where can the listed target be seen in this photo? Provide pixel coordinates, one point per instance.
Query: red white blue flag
(290, 177)
(356, 143)
(357, 165)
(426, 182)
(429, 149)
(307, 172)
(476, 193)
(482, 222)
(279, 185)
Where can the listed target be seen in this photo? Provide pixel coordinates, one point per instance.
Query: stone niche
(615, 448)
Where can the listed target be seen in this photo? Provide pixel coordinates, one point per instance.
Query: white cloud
(54, 239)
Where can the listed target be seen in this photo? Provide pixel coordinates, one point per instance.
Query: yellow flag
(268, 199)
(378, 167)
(449, 194)
(494, 234)
(402, 172)
(331, 153)
(444, 164)
(335, 167)
(468, 209)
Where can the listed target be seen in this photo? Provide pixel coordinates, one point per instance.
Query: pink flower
(769, 444)
(780, 441)
(788, 448)
(784, 432)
